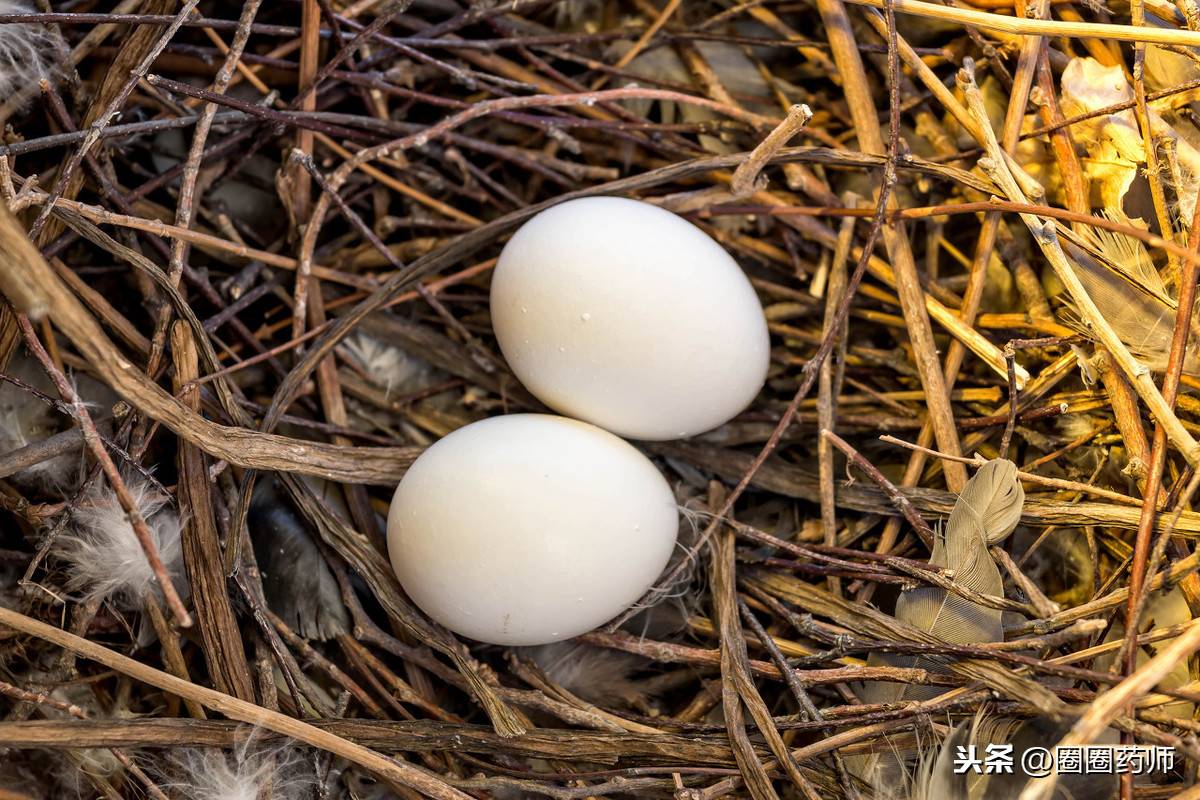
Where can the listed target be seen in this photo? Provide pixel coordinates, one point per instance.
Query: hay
(245, 254)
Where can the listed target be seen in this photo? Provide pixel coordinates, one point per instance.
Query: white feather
(207, 774)
(25, 420)
(1072, 426)
(29, 53)
(102, 553)
(385, 365)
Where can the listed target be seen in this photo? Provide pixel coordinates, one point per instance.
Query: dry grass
(246, 252)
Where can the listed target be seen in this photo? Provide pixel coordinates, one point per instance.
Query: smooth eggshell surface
(619, 313)
(529, 528)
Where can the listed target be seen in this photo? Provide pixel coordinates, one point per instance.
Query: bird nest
(245, 255)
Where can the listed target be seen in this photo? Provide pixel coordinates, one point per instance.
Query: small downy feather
(387, 366)
(243, 774)
(596, 674)
(102, 553)
(297, 581)
(26, 419)
(29, 53)
(1072, 426)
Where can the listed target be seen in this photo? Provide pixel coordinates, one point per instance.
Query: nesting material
(302, 259)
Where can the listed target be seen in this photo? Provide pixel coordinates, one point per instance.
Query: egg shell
(620, 313)
(530, 528)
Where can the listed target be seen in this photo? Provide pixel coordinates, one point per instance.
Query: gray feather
(299, 586)
(986, 512)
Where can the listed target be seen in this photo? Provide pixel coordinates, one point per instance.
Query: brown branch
(920, 526)
(390, 769)
(91, 437)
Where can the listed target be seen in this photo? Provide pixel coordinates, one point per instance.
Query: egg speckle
(675, 342)
(530, 528)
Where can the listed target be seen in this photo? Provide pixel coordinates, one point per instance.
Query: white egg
(530, 528)
(625, 315)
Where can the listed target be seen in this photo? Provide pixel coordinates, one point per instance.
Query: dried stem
(91, 438)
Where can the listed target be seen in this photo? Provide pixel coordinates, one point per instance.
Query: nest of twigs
(245, 251)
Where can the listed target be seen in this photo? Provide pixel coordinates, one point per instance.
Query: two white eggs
(531, 528)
